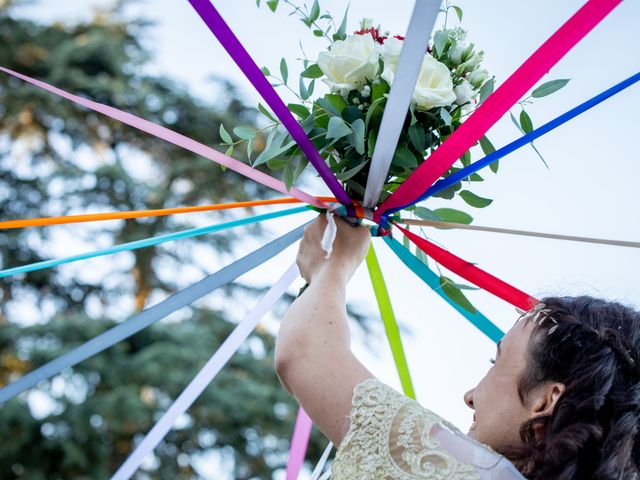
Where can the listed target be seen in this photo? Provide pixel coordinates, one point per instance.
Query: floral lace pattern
(390, 438)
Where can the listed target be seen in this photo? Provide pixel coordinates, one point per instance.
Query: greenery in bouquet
(343, 124)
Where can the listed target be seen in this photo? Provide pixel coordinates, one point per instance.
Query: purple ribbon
(234, 48)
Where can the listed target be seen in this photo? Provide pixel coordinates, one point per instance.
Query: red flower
(374, 33)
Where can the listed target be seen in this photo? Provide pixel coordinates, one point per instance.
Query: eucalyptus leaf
(426, 214)
(288, 176)
(312, 71)
(404, 158)
(284, 70)
(452, 215)
(455, 294)
(439, 41)
(266, 113)
(347, 174)
(549, 87)
(272, 4)
(299, 110)
(486, 90)
(357, 137)
(244, 133)
(445, 116)
(342, 30)
(337, 128)
(525, 121)
(224, 135)
(475, 200)
(416, 136)
(265, 71)
(486, 145)
(304, 91)
(458, 12)
(494, 166)
(315, 12)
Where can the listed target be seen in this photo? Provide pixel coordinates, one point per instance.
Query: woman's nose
(468, 398)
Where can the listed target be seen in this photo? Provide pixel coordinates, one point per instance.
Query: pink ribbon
(175, 138)
(299, 442)
(498, 104)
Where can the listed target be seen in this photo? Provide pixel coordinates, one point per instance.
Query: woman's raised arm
(313, 355)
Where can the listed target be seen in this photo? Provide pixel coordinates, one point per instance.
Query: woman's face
(499, 412)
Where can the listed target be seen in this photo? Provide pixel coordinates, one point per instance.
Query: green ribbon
(481, 322)
(390, 324)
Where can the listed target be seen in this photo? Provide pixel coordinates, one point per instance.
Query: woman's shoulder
(393, 437)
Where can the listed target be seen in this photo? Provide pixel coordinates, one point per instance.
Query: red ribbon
(472, 273)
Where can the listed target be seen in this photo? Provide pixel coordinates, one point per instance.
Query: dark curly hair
(592, 346)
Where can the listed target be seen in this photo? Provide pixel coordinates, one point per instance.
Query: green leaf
(312, 85)
(405, 241)
(337, 128)
(454, 216)
(525, 121)
(494, 166)
(357, 137)
(224, 135)
(229, 151)
(250, 150)
(455, 294)
(342, 30)
(351, 114)
(486, 145)
(371, 142)
(304, 91)
(426, 214)
(486, 90)
(265, 71)
(267, 113)
(332, 103)
(458, 12)
(244, 133)
(475, 200)
(272, 4)
(299, 110)
(379, 90)
(420, 255)
(288, 176)
(465, 159)
(549, 87)
(301, 165)
(445, 116)
(515, 122)
(375, 111)
(347, 174)
(416, 135)
(284, 71)
(315, 12)
(312, 71)
(439, 41)
(404, 158)
(318, 33)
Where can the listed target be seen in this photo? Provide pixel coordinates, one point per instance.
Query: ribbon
(477, 319)
(472, 273)
(234, 48)
(528, 138)
(497, 104)
(299, 443)
(174, 138)
(390, 324)
(524, 233)
(315, 475)
(95, 217)
(206, 375)
(412, 54)
(151, 315)
(149, 242)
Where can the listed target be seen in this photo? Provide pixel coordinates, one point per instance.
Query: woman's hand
(349, 249)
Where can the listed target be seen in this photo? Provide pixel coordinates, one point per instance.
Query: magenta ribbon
(299, 442)
(238, 53)
(497, 104)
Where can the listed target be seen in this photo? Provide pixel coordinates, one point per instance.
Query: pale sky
(590, 189)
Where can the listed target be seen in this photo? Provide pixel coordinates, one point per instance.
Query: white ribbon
(321, 463)
(412, 54)
(330, 231)
(206, 375)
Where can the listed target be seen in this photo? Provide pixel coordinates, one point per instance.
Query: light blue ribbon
(149, 242)
(481, 322)
(151, 315)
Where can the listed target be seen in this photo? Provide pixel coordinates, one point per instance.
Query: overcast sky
(589, 190)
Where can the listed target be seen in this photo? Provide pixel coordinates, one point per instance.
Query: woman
(562, 400)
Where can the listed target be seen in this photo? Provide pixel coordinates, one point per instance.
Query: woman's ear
(543, 400)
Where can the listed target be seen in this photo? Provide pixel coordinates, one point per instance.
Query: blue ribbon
(481, 322)
(149, 242)
(151, 315)
(467, 171)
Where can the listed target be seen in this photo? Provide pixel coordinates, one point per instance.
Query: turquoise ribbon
(149, 242)
(481, 322)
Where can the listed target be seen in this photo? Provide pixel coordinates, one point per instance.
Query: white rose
(478, 77)
(455, 53)
(464, 92)
(470, 64)
(349, 63)
(433, 88)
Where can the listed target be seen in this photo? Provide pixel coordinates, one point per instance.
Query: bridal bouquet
(343, 124)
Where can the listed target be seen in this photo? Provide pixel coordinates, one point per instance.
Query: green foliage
(548, 88)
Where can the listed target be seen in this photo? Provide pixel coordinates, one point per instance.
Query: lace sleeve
(392, 437)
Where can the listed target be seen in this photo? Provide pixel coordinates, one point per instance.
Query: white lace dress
(392, 437)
